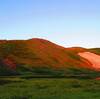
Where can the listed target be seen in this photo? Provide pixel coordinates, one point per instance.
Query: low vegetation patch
(45, 88)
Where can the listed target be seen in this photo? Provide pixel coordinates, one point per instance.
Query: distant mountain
(39, 56)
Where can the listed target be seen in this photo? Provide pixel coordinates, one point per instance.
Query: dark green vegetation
(78, 73)
(95, 50)
(39, 72)
(49, 88)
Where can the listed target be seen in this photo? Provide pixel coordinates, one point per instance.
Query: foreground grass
(49, 88)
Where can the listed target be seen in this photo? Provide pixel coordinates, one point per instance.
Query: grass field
(49, 88)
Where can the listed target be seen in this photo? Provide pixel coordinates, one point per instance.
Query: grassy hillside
(38, 56)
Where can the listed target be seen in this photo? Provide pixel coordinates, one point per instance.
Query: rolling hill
(95, 50)
(39, 56)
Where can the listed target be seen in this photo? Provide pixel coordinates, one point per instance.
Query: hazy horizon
(64, 22)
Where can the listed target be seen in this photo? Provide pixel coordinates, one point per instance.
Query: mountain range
(42, 57)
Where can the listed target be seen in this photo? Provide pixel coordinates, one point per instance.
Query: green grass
(49, 88)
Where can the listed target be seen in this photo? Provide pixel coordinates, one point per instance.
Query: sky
(64, 22)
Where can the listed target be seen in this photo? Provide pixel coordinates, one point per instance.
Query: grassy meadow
(48, 88)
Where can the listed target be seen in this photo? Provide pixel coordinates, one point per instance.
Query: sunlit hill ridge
(42, 57)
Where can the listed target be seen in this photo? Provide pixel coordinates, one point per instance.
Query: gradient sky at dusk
(65, 22)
